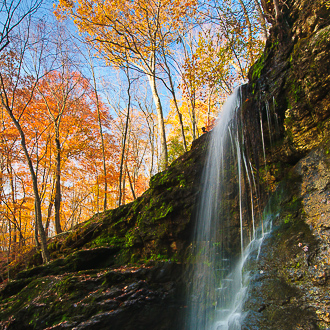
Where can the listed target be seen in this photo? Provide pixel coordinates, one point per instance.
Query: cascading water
(226, 235)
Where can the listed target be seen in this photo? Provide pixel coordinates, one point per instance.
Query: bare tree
(10, 84)
(124, 139)
(170, 86)
(97, 99)
(12, 13)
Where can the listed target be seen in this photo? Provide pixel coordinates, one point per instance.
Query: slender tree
(99, 120)
(170, 86)
(8, 95)
(124, 138)
(132, 31)
(60, 85)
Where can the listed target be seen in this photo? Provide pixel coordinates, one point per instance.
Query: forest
(97, 97)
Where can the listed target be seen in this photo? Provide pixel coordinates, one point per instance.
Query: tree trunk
(50, 209)
(43, 239)
(131, 184)
(192, 114)
(262, 19)
(172, 90)
(49, 214)
(44, 251)
(9, 249)
(277, 11)
(248, 23)
(121, 172)
(97, 193)
(181, 123)
(105, 203)
(36, 231)
(13, 212)
(57, 202)
(160, 119)
(209, 106)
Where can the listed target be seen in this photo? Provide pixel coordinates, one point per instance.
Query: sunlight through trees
(90, 110)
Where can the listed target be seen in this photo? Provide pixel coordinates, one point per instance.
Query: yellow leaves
(63, 8)
(66, 3)
(208, 64)
(128, 29)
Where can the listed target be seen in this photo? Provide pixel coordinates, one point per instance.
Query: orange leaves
(63, 106)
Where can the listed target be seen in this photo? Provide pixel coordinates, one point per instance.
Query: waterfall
(226, 236)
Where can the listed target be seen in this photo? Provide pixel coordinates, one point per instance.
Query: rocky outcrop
(118, 298)
(291, 80)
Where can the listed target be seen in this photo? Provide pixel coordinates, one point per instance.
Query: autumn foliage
(66, 150)
(60, 118)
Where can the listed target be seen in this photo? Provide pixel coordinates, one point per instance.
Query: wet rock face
(290, 286)
(290, 283)
(308, 84)
(291, 80)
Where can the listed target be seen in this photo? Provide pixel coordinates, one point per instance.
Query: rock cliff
(290, 282)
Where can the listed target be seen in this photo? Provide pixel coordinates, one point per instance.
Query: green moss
(129, 238)
(182, 181)
(158, 257)
(257, 67)
(106, 241)
(25, 296)
(289, 105)
(164, 210)
(260, 63)
(160, 178)
(66, 285)
(296, 90)
(288, 218)
(87, 223)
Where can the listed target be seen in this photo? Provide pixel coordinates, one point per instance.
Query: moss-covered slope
(89, 285)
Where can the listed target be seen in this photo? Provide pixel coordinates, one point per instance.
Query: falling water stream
(226, 235)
